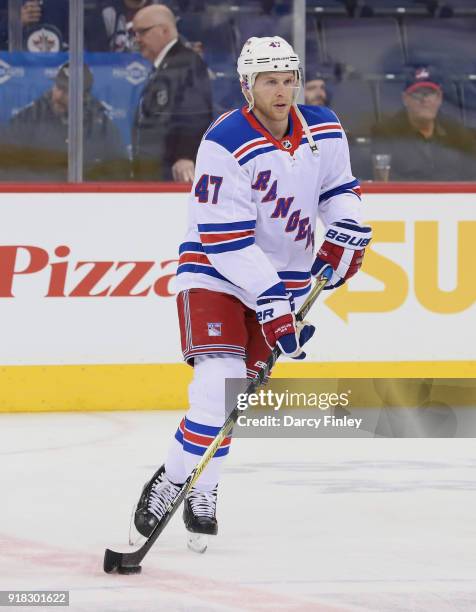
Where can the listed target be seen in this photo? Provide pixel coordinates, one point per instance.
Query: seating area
(363, 49)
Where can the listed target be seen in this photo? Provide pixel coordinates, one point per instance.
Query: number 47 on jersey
(203, 188)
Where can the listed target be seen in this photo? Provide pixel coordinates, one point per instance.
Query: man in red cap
(424, 145)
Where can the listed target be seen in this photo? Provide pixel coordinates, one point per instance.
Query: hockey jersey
(255, 202)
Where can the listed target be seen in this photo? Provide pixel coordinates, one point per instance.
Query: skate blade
(135, 538)
(197, 542)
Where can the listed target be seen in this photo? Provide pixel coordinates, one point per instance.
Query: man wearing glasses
(423, 144)
(176, 105)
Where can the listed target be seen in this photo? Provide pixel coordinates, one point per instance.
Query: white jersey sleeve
(225, 215)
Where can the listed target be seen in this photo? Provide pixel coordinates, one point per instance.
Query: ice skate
(154, 500)
(199, 518)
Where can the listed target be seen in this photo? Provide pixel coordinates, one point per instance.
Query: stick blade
(120, 563)
(112, 561)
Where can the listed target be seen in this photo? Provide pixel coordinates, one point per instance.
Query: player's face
(273, 94)
(423, 103)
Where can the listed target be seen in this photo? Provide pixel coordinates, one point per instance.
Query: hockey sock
(204, 419)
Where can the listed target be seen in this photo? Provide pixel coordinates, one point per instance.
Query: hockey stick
(128, 563)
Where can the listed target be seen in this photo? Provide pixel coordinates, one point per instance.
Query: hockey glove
(343, 248)
(275, 312)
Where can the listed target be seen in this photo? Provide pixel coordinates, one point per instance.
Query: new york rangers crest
(214, 329)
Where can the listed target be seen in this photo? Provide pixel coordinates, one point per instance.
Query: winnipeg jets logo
(44, 40)
(286, 144)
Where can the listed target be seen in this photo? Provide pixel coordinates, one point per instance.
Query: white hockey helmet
(266, 54)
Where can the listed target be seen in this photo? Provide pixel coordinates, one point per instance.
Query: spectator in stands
(37, 137)
(423, 144)
(176, 104)
(108, 26)
(44, 22)
(315, 91)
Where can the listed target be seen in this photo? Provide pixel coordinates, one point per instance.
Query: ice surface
(322, 525)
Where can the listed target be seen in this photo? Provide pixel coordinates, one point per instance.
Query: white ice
(322, 525)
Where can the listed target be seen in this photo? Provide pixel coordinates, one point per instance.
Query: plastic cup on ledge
(381, 167)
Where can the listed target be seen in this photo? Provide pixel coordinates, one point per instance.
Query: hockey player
(264, 174)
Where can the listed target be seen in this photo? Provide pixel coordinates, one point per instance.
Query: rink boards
(87, 296)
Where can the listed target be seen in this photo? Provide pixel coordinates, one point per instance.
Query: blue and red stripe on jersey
(244, 137)
(352, 187)
(324, 130)
(224, 237)
(196, 438)
(192, 258)
(259, 146)
(297, 283)
(267, 143)
(217, 121)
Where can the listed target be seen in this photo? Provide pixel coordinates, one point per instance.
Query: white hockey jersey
(255, 201)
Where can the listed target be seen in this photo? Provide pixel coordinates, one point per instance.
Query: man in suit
(176, 105)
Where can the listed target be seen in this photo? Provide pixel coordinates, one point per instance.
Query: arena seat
(363, 45)
(449, 44)
(226, 93)
(353, 101)
(468, 95)
(328, 7)
(215, 31)
(455, 8)
(257, 23)
(360, 149)
(367, 8)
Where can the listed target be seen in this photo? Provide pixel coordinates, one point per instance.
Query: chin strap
(307, 131)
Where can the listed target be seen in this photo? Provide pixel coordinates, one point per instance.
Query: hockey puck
(129, 569)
